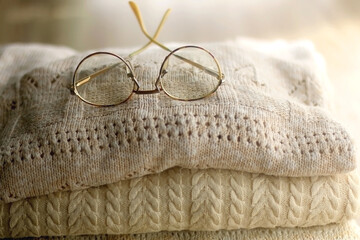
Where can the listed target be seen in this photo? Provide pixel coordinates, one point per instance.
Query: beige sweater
(348, 231)
(268, 117)
(183, 199)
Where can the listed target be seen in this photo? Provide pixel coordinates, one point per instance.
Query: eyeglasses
(187, 73)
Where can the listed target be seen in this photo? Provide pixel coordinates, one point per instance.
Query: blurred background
(332, 25)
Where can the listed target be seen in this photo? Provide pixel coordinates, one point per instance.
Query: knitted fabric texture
(268, 117)
(346, 231)
(184, 199)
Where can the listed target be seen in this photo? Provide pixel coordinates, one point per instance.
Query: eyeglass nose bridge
(131, 74)
(147, 91)
(138, 91)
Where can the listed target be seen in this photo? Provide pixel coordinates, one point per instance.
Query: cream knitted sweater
(267, 118)
(348, 231)
(182, 199)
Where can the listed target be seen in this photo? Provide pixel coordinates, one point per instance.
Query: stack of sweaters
(262, 158)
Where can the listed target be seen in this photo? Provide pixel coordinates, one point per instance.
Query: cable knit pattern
(83, 211)
(262, 120)
(348, 231)
(136, 207)
(265, 208)
(16, 221)
(113, 208)
(296, 207)
(237, 199)
(24, 218)
(54, 214)
(176, 199)
(152, 202)
(353, 182)
(145, 203)
(206, 205)
(186, 199)
(321, 189)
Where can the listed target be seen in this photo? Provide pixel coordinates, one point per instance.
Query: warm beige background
(333, 26)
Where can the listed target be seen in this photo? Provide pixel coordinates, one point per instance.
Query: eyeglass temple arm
(88, 78)
(138, 16)
(152, 40)
(155, 35)
(85, 80)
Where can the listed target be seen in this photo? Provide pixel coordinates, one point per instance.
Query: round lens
(190, 73)
(102, 79)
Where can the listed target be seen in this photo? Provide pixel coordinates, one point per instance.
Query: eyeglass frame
(162, 71)
(131, 75)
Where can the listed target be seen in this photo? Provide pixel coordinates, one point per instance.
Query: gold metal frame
(219, 75)
(162, 71)
(85, 80)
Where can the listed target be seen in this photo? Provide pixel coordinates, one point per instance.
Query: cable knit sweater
(268, 117)
(348, 231)
(183, 199)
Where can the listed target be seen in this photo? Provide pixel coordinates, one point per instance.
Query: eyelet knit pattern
(186, 199)
(268, 117)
